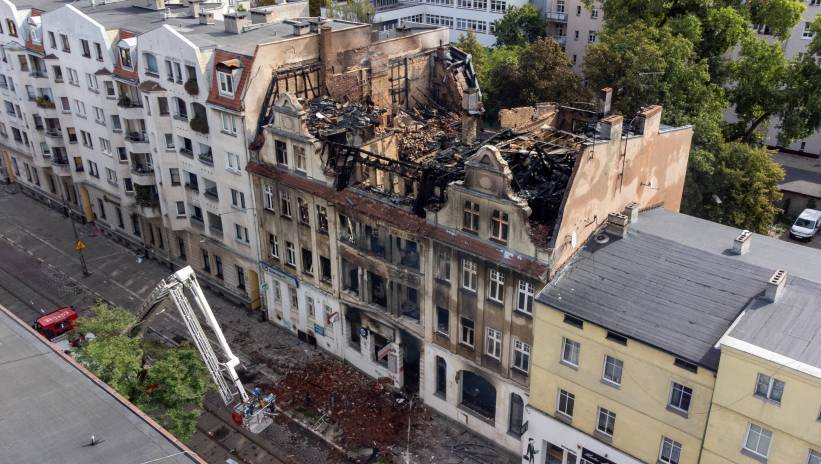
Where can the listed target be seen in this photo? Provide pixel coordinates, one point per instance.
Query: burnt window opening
(304, 211)
(281, 151)
(442, 320)
(347, 230)
(409, 254)
(350, 278)
(321, 219)
(410, 303)
(376, 243)
(380, 342)
(325, 268)
(516, 421)
(441, 378)
(378, 290)
(307, 261)
(478, 395)
(354, 325)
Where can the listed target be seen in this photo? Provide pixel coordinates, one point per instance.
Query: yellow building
(767, 401)
(626, 346)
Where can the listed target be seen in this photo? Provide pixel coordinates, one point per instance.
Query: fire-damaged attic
(402, 127)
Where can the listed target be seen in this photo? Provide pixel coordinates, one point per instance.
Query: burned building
(400, 237)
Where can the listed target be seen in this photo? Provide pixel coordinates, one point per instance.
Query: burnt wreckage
(431, 147)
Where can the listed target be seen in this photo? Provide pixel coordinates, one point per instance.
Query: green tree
(520, 26)
(538, 72)
(167, 383)
(351, 10)
(734, 184)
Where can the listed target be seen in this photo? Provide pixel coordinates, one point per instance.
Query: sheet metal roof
(50, 408)
(673, 283)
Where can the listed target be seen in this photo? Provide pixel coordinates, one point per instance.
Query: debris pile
(365, 412)
(425, 132)
(328, 117)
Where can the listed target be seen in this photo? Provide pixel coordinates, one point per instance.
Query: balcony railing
(127, 102)
(59, 160)
(137, 137)
(52, 132)
(212, 193)
(142, 169)
(556, 16)
(193, 187)
(187, 152)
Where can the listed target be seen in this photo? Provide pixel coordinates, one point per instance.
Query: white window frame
(300, 160)
(569, 399)
(226, 84)
(181, 211)
(273, 243)
(231, 159)
(674, 447)
(760, 432)
(771, 382)
(576, 348)
(493, 343)
(617, 363)
(443, 260)
(499, 225)
(525, 296)
(229, 123)
(521, 349)
(465, 331)
(470, 271)
(290, 254)
(285, 199)
(685, 390)
(268, 197)
(610, 418)
(496, 285)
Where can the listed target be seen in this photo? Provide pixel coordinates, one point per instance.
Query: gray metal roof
(672, 282)
(50, 409)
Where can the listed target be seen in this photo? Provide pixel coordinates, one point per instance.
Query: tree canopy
(351, 10)
(520, 26)
(167, 383)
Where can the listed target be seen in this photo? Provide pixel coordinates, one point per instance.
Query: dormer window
(34, 34)
(226, 83)
(125, 57)
(12, 27)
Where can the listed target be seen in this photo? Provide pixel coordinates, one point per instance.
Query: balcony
(147, 201)
(130, 109)
(555, 16)
(143, 174)
(187, 152)
(560, 39)
(38, 74)
(198, 222)
(61, 166)
(45, 102)
(54, 132)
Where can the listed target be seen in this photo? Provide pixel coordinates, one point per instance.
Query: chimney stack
(631, 210)
(605, 97)
(207, 17)
(741, 244)
(617, 224)
(195, 8)
(235, 23)
(262, 15)
(775, 286)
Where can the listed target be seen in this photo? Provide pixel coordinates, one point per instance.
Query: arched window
(478, 395)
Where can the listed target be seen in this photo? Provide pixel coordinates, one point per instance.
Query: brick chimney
(617, 224)
(610, 127)
(604, 98)
(648, 120)
(741, 244)
(775, 286)
(195, 8)
(631, 210)
(235, 23)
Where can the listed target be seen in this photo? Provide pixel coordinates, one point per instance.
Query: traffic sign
(80, 245)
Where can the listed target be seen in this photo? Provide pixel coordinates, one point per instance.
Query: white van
(806, 225)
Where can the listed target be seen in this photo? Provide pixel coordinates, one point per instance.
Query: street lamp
(77, 243)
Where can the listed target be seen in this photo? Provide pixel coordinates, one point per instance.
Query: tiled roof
(214, 96)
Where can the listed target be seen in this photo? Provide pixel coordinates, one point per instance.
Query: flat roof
(673, 283)
(802, 174)
(51, 408)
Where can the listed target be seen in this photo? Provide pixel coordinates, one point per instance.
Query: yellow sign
(80, 245)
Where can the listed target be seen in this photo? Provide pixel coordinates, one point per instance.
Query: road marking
(111, 255)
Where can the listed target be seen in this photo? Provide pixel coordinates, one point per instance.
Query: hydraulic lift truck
(253, 411)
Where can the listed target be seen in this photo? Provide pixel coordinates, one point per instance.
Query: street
(40, 272)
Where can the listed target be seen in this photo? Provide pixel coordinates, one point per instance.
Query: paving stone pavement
(268, 351)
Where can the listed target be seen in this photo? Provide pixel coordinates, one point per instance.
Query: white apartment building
(135, 115)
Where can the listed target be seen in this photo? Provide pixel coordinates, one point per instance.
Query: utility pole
(77, 243)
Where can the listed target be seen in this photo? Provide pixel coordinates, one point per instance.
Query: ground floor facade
(557, 442)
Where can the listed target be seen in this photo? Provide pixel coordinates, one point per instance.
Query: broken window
(376, 244)
(443, 264)
(354, 325)
(524, 302)
(294, 298)
(493, 343)
(290, 254)
(281, 151)
(470, 221)
(346, 229)
(517, 409)
(325, 268)
(379, 294)
(466, 337)
(380, 348)
(442, 320)
(410, 305)
(478, 394)
(499, 226)
(350, 277)
(469, 271)
(273, 245)
(410, 255)
(307, 261)
(496, 285)
(304, 214)
(285, 204)
(441, 377)
(321, 219)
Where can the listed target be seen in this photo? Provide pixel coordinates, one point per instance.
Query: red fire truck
(54, 324)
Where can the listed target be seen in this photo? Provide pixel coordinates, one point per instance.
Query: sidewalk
(269, 352)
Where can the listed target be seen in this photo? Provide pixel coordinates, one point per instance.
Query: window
(233, 162)
(116, 124)
(307, 261)
(565, 403)
(496, 285)
(80, 108)
(441, 377)
(229, 123)
(98, 51)
(594, 13)
(151, 64)
(807, 33)
(321, 218)
(591, 36)
(680, 397)
(524, 301)
(285, 204)
(273, 246)
(52, 41)
(174, 173)
(470, 221)
(237, 199)
(240, 277)
(493, 343)
(521, 356)
(169, 141)
(105, 146)
(86, 50)
(575, 35)
(268, 197)
(226, 84)
(615, 337)
(570, 352)
(290, 254)
(516, 420)
(499, 225)
(814, 458)
(109, 89)
(241, 233)
(162, 106)
(325, 268)
(180, 209)
(443, 264)
(612, 370)
(73, 78)
(686, 365)
(65, 44)
(87, 139)
(607, 422)
(281, 151)
(125, 57)
(299, 159)
(498, 6)
(466, 336)
(304, 214)
(469, 271)
(92, 169)
(442, 320)
(769, 388)
(758, 440)
(670, 451)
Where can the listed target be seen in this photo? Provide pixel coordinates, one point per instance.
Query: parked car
(807, 225)
(56, 323)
